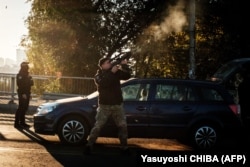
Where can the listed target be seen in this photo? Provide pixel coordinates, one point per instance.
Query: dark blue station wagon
(201, 111)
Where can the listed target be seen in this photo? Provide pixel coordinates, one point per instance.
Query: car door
(136, 106)
(172, 106)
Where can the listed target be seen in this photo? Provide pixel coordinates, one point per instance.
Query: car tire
(204, 137)
(73, 130)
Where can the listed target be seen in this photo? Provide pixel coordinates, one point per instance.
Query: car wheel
(73, 130)
(204, 137)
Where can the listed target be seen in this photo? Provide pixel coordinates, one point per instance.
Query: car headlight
(45, 109)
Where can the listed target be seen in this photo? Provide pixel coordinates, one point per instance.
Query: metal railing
(49, 85)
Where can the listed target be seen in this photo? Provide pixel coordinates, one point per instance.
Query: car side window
(130, 92)
(175, 92)
(179, 93)
(163, 92)
(191, 94)
(136, 92)
(211, 95)
(143, 94)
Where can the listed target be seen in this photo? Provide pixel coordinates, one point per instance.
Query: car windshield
(93, 95)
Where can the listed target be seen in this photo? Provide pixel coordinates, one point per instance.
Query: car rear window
(211, 95)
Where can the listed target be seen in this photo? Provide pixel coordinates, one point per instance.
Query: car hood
(64, 101)
(76, 99)
(70, 99)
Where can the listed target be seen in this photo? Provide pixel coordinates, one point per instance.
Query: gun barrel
(117, 59)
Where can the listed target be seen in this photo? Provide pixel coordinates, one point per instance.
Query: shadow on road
(108, 153)
(33, 136)
(103, 154)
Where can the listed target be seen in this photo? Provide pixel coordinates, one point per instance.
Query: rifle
(119, 58)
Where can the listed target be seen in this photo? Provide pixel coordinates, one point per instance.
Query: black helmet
(24, 64)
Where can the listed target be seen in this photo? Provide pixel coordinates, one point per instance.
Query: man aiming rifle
(110, 100)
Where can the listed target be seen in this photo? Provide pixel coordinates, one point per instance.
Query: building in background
(10, 62)
(20, 56)
(1, 61)
(8, 65)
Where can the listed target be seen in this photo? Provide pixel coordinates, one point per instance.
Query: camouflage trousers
(103, 113)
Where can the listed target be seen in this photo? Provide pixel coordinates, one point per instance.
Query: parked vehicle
(201, 111)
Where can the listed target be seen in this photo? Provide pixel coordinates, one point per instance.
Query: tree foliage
(70, 36)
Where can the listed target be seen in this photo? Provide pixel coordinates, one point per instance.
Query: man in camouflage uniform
(110, 102)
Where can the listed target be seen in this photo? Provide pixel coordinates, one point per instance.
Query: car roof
(174, 80)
